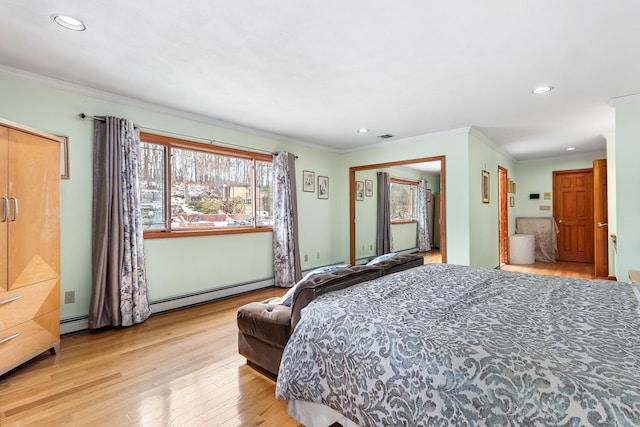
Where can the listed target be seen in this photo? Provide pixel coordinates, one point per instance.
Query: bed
(453, 345)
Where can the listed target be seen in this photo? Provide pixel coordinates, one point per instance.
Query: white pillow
(381, 258)
(288, 297)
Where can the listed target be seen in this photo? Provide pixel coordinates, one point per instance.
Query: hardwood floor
(561, 268)
(432, 256)
(176, 369)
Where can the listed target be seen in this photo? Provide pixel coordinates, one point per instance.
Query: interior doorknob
(560, 221)
(602, 224)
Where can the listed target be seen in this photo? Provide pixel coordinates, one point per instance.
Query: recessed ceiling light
(363, 130)
(69, 22)
(542, 89)
(570, 148)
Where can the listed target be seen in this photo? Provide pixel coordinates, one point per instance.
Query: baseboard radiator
(81, 323)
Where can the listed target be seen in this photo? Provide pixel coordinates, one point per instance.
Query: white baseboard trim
(79, 324)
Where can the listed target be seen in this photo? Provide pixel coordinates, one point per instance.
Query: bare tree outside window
(208, 190)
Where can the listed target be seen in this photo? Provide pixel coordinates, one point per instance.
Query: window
(404, 200)
(192, 188)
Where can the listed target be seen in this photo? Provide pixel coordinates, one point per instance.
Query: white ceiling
(316, 71)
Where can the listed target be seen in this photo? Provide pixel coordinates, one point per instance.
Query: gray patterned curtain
(423, 218)
(384, 240)
(286, 252)
(119, 294)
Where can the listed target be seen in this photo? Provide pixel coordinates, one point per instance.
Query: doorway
(573, 210)
(601, 219)
(441, 199)
(503, 215)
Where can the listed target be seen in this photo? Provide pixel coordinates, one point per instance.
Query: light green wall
(404, 236)
(536, 176)
(174, 266)
(484, 242)
(627, 180)
(612, 201)
(365, 216)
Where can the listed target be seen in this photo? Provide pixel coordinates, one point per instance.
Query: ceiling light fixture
(363, 130)
(69, 22)
(570, 148)
(542, 89)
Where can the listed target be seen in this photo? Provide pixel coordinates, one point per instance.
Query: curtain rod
(209, 140)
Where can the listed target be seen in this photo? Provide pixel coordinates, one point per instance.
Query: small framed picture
(485, 186)
(64, 157)
(308, 181)
(359, 190)
(368, 188)
(323, 187)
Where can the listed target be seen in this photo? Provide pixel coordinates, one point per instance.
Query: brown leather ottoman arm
(263, 330)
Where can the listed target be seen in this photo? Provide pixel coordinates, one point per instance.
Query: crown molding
(120, 99)
(592, 153)
(486, 141)
(406, 140)
(624, 100)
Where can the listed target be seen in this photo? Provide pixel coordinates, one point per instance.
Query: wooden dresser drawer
(25, 303)
(22, 342)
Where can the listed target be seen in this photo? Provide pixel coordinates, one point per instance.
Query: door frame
(352, 201)
(503, 215)
(600, 220)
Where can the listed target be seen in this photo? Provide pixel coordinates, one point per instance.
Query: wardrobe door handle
(10, 337)
(8, 300)
(15, 209)
(5, 217)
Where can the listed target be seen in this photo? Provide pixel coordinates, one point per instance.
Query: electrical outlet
(318, 255)
(362, 248)
(306, 257)
(370, 247)
(70, 297)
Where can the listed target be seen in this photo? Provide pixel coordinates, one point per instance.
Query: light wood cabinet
(29, 244)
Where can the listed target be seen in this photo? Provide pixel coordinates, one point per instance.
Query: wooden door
(503, 215)
(34, 192)
(573, 211)
(600, 218)
(4, 206)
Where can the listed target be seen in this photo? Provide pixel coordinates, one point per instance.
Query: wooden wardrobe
(30, 244)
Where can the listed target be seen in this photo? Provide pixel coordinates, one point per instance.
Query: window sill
(157, 234)
(407, 221)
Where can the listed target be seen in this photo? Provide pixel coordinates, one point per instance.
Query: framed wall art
(308, 181)
(359, 190)
(64, 157)
(323, 187)
(368, 188)
(486, 186)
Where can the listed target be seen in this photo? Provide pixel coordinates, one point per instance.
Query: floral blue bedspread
(460, 346)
